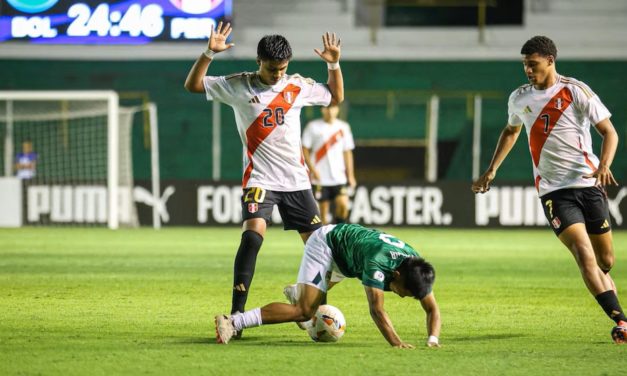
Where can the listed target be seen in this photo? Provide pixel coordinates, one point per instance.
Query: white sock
(248, 319)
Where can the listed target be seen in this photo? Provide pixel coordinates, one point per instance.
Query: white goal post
(82, 143)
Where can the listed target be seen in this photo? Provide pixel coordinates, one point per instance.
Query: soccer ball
(327, 325)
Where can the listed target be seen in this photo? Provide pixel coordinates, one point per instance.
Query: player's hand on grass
(331, 52)
(433, 344)
(218, 37)
(482, 185)
(404, 345)
(603, 176)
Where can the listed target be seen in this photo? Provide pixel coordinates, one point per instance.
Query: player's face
(397, 285)
(27, 147)
(330, 113)
(271, 71)
(538, 69)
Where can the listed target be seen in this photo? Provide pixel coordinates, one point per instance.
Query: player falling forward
(382, 263)
(267, 106)
(557, 112)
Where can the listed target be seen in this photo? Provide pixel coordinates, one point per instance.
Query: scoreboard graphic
(110, 22)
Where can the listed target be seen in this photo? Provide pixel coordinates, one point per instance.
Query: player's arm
(506, 142)
(350, 169)
(331, 54)
(381, 318)
(312, 168)
(216, 44)
(25, 165)
(603, 174)
(434, 322)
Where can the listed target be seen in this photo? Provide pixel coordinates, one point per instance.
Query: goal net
(73, 154)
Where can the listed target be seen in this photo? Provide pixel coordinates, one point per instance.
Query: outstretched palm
(331, 52)
(218, 37)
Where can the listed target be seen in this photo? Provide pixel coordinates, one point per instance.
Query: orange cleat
(619, 332)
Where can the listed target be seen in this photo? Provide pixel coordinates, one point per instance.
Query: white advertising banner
(10, 202)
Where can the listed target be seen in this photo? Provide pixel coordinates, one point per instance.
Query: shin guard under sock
(244, 268)
(609, 302)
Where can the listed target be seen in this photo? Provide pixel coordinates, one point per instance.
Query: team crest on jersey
(558, 103)
(289, 97)
(253, 207)
(379, 276)
(556, 222)
(527, 110)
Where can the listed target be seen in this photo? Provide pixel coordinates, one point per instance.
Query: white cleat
(224, 329)
(291, 293)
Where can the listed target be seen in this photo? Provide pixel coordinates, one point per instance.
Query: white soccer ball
(327, 325)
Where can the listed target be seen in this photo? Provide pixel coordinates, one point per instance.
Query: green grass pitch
(141, 302)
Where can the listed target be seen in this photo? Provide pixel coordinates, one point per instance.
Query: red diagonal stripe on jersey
(537, 183)
(257, 132)
(585, 156)
(537, 136)
(324, 149)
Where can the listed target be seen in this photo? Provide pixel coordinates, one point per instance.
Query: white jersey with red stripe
(268, 122)
(327, 143)
(557, 121)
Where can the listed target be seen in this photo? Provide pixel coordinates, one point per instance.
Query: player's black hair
(419, 276)
(274, 47)
(541, 45)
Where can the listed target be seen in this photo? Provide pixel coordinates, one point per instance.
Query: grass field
(97, 302)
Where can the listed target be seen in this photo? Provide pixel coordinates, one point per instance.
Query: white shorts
(317, 267)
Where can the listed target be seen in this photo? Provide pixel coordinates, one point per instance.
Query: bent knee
(606, 262)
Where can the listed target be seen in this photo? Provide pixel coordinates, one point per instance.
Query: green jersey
(368, 254)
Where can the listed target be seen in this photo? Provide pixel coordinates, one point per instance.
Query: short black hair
(541, 45)
(419, 276)
(274, 47)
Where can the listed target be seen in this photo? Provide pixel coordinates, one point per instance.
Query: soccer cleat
(619, 332)
(224, 329)
(305, 325)
(291, 293)
(238, 333)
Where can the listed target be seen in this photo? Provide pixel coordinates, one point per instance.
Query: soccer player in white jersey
(557, 113)
(328, 149)
(267, 106)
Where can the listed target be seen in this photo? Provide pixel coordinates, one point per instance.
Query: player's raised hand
(603, 176)
(331, 52)
(218, 37)
(482, 185)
